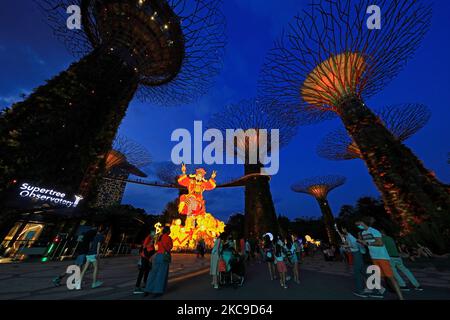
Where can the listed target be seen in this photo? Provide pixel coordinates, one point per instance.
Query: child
(281, 265)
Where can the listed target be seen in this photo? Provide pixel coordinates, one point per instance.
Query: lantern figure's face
(339, 76)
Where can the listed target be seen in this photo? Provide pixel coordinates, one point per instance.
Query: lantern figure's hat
(201, 172)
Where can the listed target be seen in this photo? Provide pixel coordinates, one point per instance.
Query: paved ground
(319, 280)
(33, 280)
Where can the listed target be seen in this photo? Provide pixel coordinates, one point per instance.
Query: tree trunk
(328, 220)
(260, 216)
(410, 192)
(58, 137)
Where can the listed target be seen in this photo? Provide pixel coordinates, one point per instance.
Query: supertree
(403, 121)
(125, 158)
(329, 61)
(319, 187)
(168, 49)
(253, 117)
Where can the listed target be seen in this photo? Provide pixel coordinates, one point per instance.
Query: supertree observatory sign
(46, 195)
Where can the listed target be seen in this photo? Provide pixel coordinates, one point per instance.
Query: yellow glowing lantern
(204, 227)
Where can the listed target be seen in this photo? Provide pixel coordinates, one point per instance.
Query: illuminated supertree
(125, 158)
(319, 187)
(168, 51)
(329, 61)
(403, 121)
(256, 123)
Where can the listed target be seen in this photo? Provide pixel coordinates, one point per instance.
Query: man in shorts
(92, 257)
(372, 238)
(82, 248)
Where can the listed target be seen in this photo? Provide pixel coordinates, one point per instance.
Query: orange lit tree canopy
(328, 53)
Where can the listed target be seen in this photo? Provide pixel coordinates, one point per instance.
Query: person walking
(145, 265)
(397, 264)
(372, 238)
(92, 257)
(215, 257)
(81, 251)
(159, 274)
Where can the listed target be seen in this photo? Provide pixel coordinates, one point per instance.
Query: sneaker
(96, 284)
(216, 286)
(57, 281)
(138, 291)
(288, 278)
(360, 294)
(376, 295)
(418, 288)
(406, 289)
(285, 287)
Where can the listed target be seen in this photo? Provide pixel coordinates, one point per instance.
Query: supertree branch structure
(175, 46)
(403, 121)
(124, 159)
(171, 50)
(319, 187)
(329, 61)
(252, 117)
(129, 155)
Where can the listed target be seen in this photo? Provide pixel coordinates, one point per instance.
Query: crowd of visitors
(366, 246)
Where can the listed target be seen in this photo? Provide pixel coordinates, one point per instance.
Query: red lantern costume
(193, 203)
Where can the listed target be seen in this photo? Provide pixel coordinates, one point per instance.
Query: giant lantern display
(199, 224)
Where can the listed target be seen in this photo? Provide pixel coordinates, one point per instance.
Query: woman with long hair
(158, 277)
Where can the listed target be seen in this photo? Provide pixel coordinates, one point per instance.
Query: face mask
(360, 227)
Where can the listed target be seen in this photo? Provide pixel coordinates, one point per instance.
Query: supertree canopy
(168, 50)
(403, 121)
(125, 158)
(252, 117)
(319, 187)
(329, 61)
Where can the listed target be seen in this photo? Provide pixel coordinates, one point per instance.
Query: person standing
(359, 270)
(92, 257)
(159, 274)
(215, 257)
(293, 249)
(397, 264)
(372, 238)
(248, 250)
(145, 265)
(269, 256)
(280, 258)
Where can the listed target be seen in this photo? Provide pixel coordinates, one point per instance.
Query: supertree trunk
(260, 216)
(411, 193)
(328, 220)
(59, 136)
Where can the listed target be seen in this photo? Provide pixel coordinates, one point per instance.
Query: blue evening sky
(30, 54)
